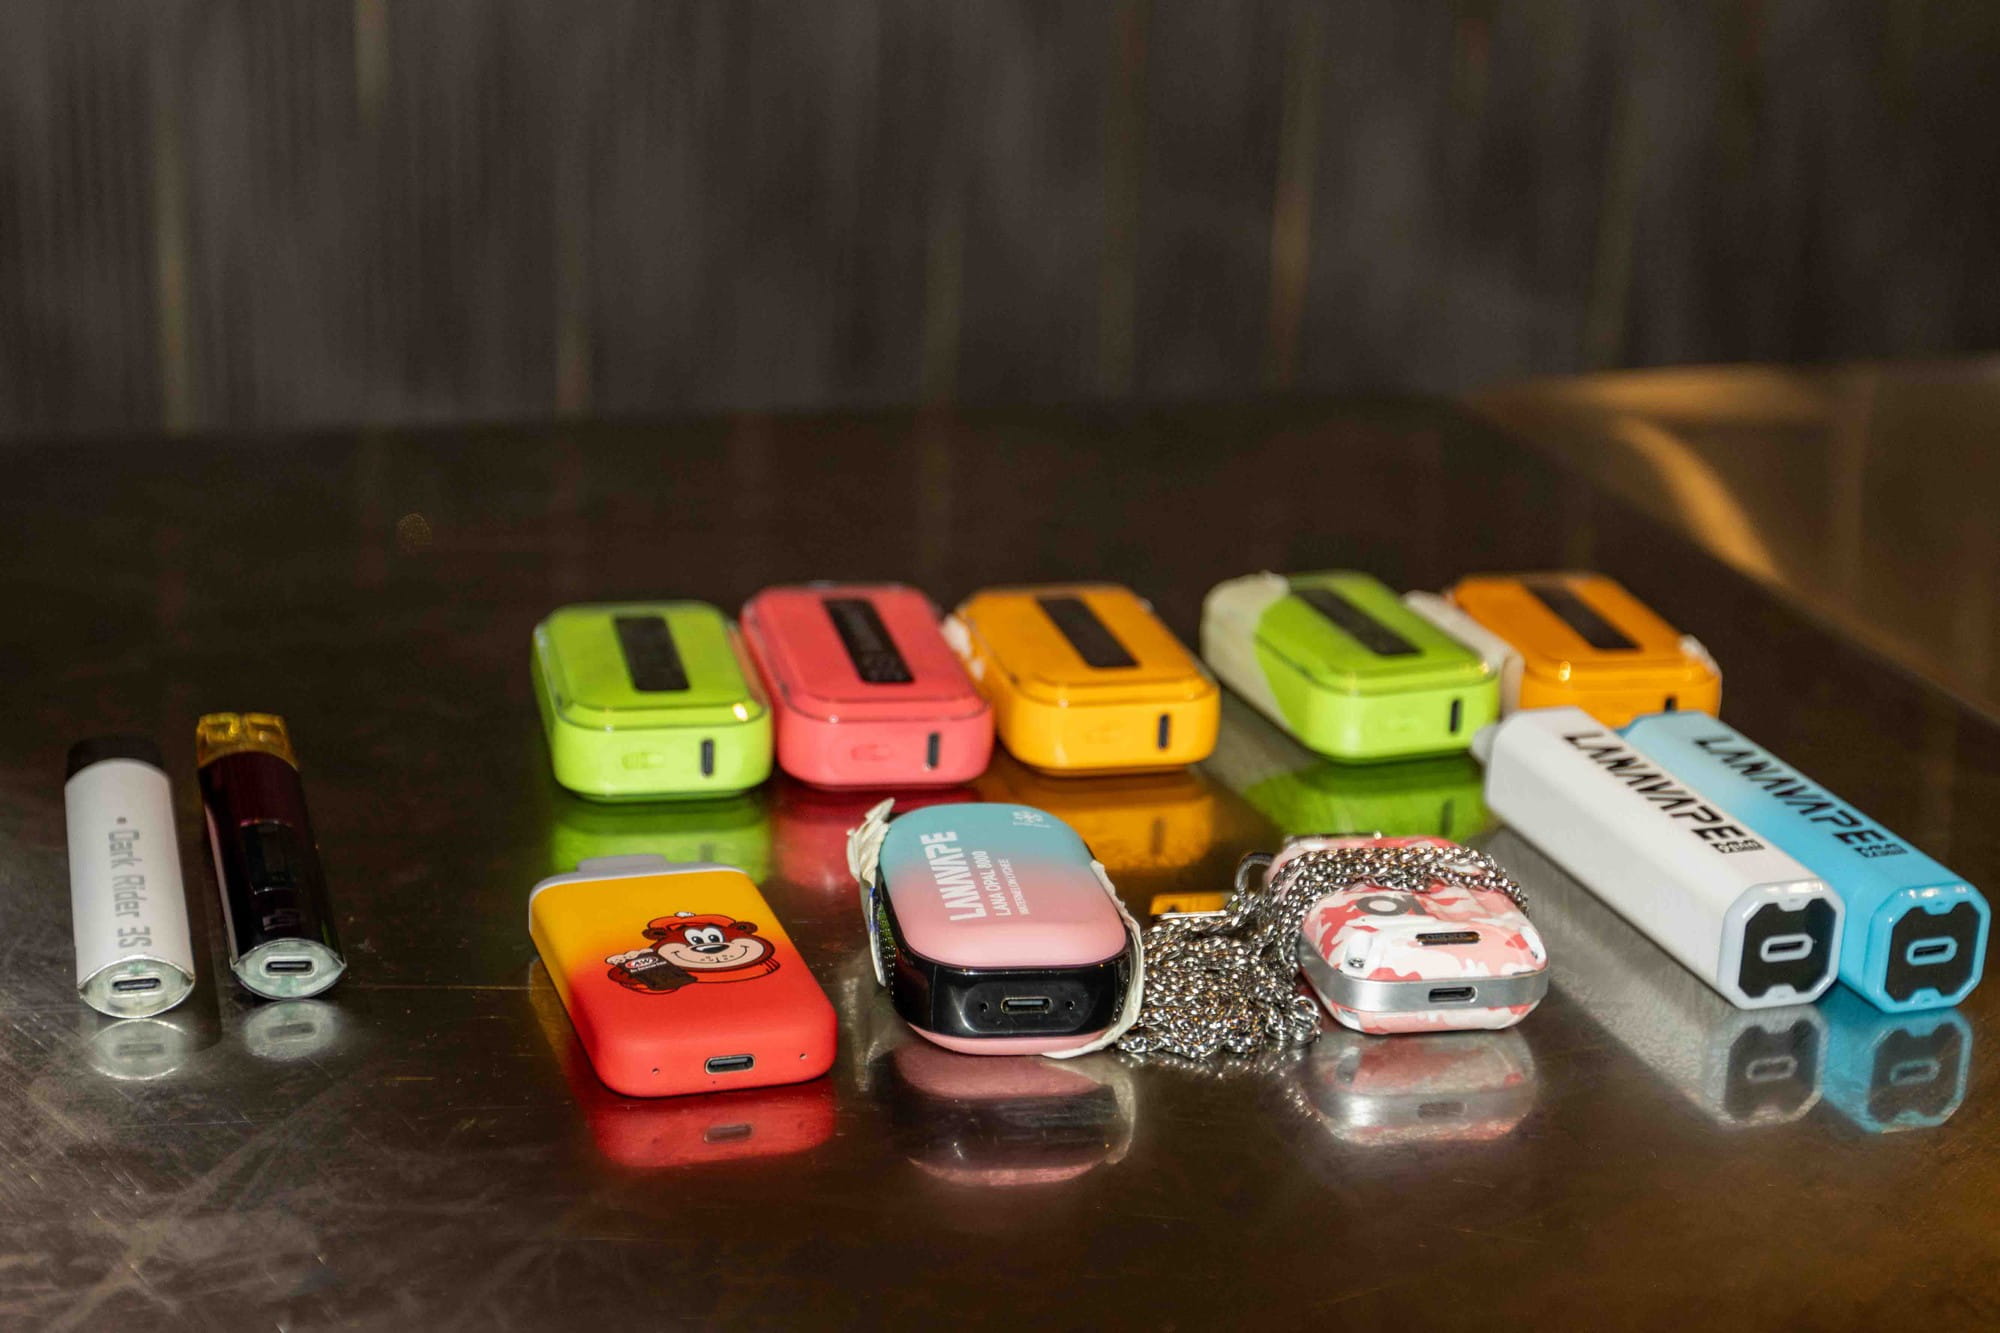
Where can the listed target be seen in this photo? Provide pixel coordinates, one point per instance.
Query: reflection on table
(1005, 1121)
(1442, 1087)
(293, 1029)
(140, 1050)
(731, 831)
(1301, 792)
(655, 1133)
(1135, 823)
(1737, 1066)
(812, 824)
(1890, 1072)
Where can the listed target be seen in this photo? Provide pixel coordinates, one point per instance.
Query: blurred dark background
(228, 216)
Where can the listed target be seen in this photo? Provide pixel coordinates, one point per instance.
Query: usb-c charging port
(1027, 1004)
(1785, 948)
(729, 1064)
(1452, 994)
(1457, 715)
(1937, 949)
(135, 985)
(289, 967)
(1429, 937)
(726, 1133)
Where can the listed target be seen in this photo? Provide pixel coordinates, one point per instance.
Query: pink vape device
(996, 931)
(865, 691)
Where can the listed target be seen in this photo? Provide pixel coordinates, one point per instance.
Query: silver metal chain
(1227, 980)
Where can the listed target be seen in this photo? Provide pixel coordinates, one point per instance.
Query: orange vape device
(1084, 678)
(1578, 639)
(678, 978)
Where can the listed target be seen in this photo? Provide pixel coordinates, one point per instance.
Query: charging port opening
(1452, 994)
(726, 1133)
(1673, 704)
(931, 748)
(1937, 949)
(1166, 731)
(1457, 714)
(1785, 948)
(729, 1064)
(135, 985)
(1429, 937)
(289, 967)
(1027, 1004)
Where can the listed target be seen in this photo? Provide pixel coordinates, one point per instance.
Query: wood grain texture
(238, 216)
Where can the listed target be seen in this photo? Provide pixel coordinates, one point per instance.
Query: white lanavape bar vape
(1739, 1067)
(127, 905)
(1740, 914)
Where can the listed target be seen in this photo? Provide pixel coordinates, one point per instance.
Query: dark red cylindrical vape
(282, 943)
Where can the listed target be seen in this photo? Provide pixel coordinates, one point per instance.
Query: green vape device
(1339, 661)
(1301, 793)
(649, 700)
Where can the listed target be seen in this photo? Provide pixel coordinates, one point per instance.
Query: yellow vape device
(1577, 639)
(1084, 678)
(645, 700)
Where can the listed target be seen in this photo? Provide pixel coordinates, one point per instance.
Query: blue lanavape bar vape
(1916, 932)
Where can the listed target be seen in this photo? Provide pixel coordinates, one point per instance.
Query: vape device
(1455, 1087)
(678, 978)
(1738, 1067)
(994, 930)
(1746, 918)
(282, 943)
(725, 830)
(650, 1134)
(1915, 934)
(1084, 678)
(127, 905)
(1338, 661)
(864, 690)
(1391, 958)
(1299, 792)
(1003, 1124)
(1578, 639)
(1891, 1072)
(646, 700)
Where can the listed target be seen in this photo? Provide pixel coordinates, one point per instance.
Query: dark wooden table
(418, 1150)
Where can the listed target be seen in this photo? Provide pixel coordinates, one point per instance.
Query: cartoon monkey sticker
(688, 948)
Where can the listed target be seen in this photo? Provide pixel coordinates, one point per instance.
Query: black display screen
(1092, 638)
(867, 641)
(1580, 616)
(651, 658)
(1369, 632)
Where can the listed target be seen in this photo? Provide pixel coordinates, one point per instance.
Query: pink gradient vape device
(865, 690)
(994, 929)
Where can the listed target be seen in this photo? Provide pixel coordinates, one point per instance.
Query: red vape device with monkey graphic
(678, 978)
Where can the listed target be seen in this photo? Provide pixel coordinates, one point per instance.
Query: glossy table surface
(421, 1148)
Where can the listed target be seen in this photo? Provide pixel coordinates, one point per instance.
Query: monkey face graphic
(689, 948)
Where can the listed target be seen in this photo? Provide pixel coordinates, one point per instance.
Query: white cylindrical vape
(127, 906)
(1740, 914)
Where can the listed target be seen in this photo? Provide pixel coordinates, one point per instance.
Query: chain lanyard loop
(1228, 980)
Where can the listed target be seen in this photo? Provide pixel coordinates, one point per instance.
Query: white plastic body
(1679, 867)
(127, 904)
(1738, 1067)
